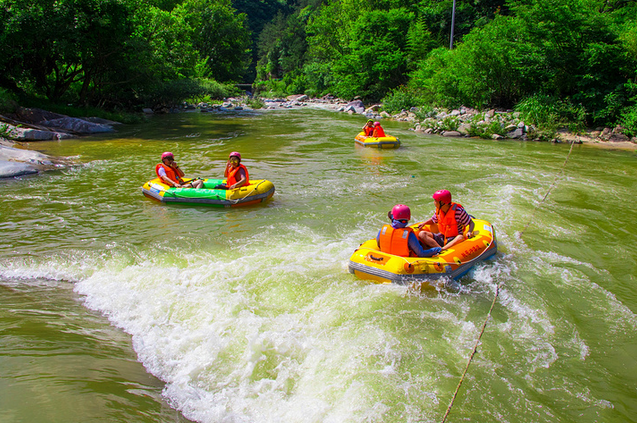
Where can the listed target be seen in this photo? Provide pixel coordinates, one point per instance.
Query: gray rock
(78, 125)
(30, 134)
(606, 133)
(464, 128)
(34, 115)
(150, 111)
(355, 105)
(617, 137)
(298, 98)
(15, 169)
(451, 134)
(510, 127)
(517, 133)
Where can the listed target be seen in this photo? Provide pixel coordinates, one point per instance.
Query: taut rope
(497, 291)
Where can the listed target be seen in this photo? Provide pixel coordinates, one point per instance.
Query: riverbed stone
(15, 169)
(356, 106)
(78, 125)
(451, 134)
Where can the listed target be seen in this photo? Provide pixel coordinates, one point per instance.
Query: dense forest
(574, 61)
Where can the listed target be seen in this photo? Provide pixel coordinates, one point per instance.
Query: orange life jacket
(379, 132)
(395, 241)
(232, 176)
(369, 131)
(170, 173)
(447, 223)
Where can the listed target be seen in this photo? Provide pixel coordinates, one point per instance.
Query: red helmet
(236, 154)
(443, 196)
(167, 155)
(400, 212)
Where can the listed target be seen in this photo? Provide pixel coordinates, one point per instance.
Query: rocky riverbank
(28, 125)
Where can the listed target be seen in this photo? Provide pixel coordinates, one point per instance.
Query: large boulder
(16, 162)
(77, 125)
(15, 169)
(35, 116)
(297, 98)
(31, 134)
(355, 106)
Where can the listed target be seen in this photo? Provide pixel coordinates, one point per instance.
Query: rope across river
(497, 291)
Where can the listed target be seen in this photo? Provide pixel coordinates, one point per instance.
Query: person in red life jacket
(171, 174)
(236, 174)
(369, 128)
(398, 239)
(452, 221)
(378, 130)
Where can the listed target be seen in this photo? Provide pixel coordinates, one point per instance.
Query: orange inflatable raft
(369, 263)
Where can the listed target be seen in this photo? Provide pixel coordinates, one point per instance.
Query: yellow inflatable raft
(258, 191)
(369, 263)
(388, 142)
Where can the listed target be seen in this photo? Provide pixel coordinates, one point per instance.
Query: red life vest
(395, 241)
(369, 131)
(379, 132)
(233, 174)
(447, 223)
(170, 173)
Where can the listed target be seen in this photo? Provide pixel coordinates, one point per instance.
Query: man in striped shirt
(452, 220)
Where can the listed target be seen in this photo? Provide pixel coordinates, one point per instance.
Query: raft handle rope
(256, 186)
(497, 291)
(235, 201)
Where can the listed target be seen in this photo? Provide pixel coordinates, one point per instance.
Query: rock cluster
(37, 125)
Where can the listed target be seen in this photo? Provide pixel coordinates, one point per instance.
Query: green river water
(114, 307)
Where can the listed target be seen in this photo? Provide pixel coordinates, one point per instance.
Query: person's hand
(174, 165)
(422, 224)
(469, 234)
(436, 250)
(178, 185)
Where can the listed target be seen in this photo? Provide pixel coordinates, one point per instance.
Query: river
(117, 308)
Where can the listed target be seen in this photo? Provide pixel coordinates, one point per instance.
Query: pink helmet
(443, 196)
(236, 154)
(399, 212)
(167, 155)
(376, 123)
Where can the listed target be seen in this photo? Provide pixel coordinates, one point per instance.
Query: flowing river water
(114, 307)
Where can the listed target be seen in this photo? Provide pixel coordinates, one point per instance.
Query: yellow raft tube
(369, 263)
(258, 191)
(387, 142)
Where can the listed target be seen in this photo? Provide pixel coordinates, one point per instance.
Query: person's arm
(417, 248)
(225, 172)
(427, 222)
(178, 170)
(241, 182)
(164, 178)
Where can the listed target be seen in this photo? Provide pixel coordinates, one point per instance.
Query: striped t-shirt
(462, 218)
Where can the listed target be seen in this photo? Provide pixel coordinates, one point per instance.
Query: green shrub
(549, 114)
(450, 123)
(8, 102)
(402, 98)
(270, 88)
(478, 127)
(628, 120)
(255, 102)
(424, 112)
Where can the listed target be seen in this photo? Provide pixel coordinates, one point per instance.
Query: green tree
(220, 36)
